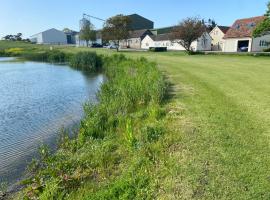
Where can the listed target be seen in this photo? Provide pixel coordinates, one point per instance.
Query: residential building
(51, 36)
(135, 39)
(239, 37)
(163, 40)
(217, 35)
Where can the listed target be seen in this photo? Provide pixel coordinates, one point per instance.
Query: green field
(218, 126)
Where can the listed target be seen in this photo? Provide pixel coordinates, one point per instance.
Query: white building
(239, 37)
(83, 43)
(51, 36)
(217, 35)
(163, 40)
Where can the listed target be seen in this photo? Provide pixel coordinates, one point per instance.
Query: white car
(112, 46)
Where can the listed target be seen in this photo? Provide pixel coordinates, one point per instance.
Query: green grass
(216, 144)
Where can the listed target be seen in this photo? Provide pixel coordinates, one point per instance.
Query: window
(147, 44)
(237, 26)
(251, 25)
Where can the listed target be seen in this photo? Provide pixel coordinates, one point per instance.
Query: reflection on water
(36, 101)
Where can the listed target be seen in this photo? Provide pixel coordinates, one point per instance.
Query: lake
(37, 100)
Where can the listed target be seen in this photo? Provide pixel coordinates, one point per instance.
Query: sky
(33, 16)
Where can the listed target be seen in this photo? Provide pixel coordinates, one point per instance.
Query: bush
(86, 61)
(54, 56)
(267, 50)
(158, 49)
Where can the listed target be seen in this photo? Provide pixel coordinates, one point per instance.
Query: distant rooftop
(244, 27)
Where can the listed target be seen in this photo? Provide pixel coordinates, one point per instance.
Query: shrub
(267, 50)
(158, 49)
(14, 51)
(86, 61)
(54, 56)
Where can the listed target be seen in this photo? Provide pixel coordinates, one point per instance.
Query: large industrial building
(51, 36)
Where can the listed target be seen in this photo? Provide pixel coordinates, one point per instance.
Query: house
(217, 35)
(163, 40)
(51, 36)
(135, 39)
(138, 22)
(239, 37)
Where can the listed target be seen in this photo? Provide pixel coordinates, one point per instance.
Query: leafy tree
(189, 30)
(17, 37)
(211, 24)
(264, 27)
(268, 10)
(88, 32)
(116, 28)
(66, 30)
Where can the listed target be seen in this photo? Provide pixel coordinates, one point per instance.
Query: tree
(211, 24)
(188, 31)
(67, 30)
(17, 37)
(264, 27)
(268, 10)
(116, 28)
(88, 32)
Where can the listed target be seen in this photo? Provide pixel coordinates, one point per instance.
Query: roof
(224, 29)
(160, 37)
(139, 33)
(46, 31)
(162, 30)
(136, 15)
(243, 27)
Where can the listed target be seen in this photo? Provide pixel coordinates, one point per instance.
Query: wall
(148, 42)
(133, 43)
(261, 43)
(54, 36)
(217, 39)
(231, 44)
(203, 43)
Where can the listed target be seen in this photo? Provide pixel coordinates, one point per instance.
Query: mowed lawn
(224, 123)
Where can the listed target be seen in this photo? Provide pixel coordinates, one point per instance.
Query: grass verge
(118, 144)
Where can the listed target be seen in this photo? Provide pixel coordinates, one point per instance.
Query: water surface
(36, 101)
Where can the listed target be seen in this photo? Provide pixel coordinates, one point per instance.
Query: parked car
(96, 45)
(244, 49)
(112, 46)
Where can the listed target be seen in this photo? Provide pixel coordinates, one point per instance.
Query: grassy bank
(119, 142)
(216, 139)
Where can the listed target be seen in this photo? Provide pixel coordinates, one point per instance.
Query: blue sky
(32, 16)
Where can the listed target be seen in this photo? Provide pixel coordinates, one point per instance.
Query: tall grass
(116, 147)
